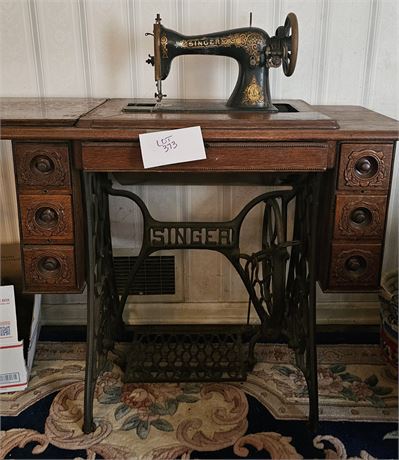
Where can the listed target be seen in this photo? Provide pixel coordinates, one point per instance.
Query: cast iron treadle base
(284, 300)
(189, 353)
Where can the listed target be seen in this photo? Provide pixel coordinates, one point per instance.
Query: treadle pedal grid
(189, 353)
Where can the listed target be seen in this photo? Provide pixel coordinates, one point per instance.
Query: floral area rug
(260, 418)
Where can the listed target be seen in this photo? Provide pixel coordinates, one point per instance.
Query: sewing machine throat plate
(196, 105)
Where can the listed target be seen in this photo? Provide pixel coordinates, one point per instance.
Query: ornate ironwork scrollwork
(103, 318)
(285, 303)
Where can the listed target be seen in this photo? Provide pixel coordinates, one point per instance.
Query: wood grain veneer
(44, 165)
(50, 269)
(359, 216)
(227, 156)
(365, 166)
(355, 267)
(46, 218)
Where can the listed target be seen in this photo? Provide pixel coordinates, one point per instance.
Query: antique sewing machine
(253, 49)
(337, 161)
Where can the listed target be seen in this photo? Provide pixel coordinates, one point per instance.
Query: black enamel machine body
(253, 49)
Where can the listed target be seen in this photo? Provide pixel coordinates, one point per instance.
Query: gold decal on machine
(249, 41)
(253, 93)
(164, 46)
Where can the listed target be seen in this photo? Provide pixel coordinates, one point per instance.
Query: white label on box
(8, 316)
(173, 146)
(13, 373)
(10, 377)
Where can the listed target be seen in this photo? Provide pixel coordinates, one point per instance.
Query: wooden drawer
(42, 164)
(49, 268)
(221, 156)
(360, 216)
(46, 218)
(365, 166)
(355, 267)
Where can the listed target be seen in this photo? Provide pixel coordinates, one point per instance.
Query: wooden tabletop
(103, 119)
(57, 111)
(207, 114)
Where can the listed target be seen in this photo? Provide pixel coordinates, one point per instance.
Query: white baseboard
(356, 313)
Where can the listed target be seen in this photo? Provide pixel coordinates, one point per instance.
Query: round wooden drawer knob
(361, 216)
(42, 164)
(49, 264)
(366, 166)
(46, 217)
(356, 264)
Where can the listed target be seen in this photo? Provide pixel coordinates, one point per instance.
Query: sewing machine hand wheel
(289, 34)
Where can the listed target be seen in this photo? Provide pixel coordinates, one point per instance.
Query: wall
(98, 48)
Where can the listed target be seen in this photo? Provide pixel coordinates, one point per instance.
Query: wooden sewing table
(338, 158)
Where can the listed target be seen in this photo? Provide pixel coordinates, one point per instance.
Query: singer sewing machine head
(254, 50)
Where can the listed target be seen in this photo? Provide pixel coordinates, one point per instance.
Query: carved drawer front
(355, 267)
(45, 165)
(359, 216)
(49, 268)
(46, 218)
(365, 166)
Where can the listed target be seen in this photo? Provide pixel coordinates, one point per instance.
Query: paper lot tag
(173, 146)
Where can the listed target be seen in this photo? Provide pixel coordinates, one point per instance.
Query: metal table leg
(300, 317)
(104, 320)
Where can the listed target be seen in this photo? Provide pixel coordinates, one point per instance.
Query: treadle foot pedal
(190, 353)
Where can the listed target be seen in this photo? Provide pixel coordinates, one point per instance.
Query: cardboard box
(15, 366)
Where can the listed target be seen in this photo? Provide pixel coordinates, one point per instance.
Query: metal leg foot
(313, 404)
(90, 371)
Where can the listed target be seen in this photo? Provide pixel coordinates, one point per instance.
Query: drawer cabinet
(355, 267)
(46, 219)
(49, 268)
(41, 164)
(357, 215)
(365, 166)
(48, 192)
